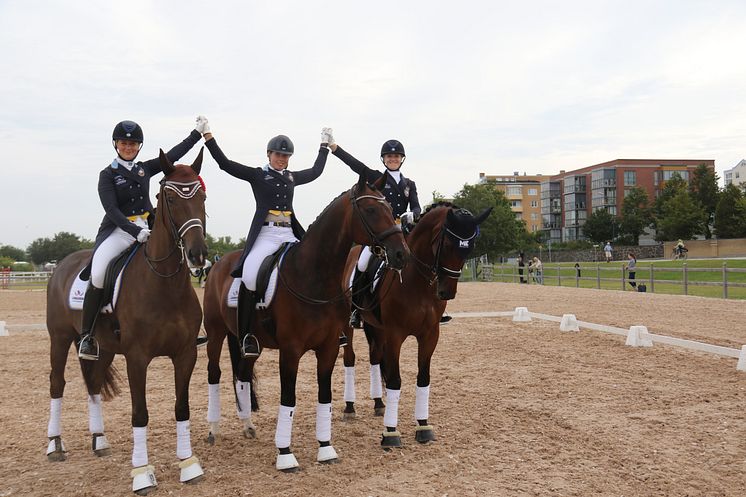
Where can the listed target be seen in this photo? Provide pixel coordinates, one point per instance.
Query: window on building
(534, 203)
(736, 174)
(515, 203)
(513, 191)
(533, 216)
(630, 178)
(532, 191)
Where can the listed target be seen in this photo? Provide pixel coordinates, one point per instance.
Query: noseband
(436, 269)
(376, 245)
(185, 191)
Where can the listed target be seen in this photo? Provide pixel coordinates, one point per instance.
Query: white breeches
(269, 240)
(364, 259)
(114, 245)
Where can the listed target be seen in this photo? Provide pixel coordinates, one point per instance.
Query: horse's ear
(483, 215)
(451, 218)
(361, 183)
(197, 164)
(381, 183)
(166, 166)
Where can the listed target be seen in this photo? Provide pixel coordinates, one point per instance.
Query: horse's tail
(237, 366)
(110, 385)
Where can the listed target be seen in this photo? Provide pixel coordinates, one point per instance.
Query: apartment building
(736, 175)
(523, 193)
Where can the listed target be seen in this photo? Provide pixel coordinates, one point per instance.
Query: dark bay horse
(411, 304)
(307, 311)
(157, 314)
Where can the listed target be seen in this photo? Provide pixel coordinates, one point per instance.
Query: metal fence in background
(678, 280)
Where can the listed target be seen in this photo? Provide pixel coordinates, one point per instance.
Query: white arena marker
(521, 315)
(3, 330)
(741, 366)
(569, 323)
(638, 336)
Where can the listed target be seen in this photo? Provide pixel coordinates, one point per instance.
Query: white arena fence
(24, 279)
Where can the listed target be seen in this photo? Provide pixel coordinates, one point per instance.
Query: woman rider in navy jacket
(274, 220)
(124, 190)
(400, 192)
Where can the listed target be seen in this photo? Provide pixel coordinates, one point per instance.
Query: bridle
(376, 247)
(436, 270)
(185, 190)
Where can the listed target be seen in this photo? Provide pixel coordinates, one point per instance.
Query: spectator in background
(538, 268)
(608, 251)
(521, 265)
(631, 269)
(577, 269)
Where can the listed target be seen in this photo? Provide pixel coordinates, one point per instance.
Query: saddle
(266, 279)
(111, 281)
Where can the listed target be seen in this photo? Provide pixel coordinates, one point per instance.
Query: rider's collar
(127, 164)
(395, 174)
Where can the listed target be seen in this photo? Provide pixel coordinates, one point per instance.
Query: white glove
(143, 235)
(202, 125)
(407, 218)
(327, 136)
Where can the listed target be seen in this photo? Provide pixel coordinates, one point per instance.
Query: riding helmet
(281, 144)
(127, 130)
(393, 147)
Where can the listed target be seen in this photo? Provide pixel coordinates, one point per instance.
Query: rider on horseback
(400, 192)
(123, 188)
(274, 221)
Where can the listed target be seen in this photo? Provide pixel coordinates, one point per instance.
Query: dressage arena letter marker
(569, 323)
(521, 315)
(3, 330)
(638, 336)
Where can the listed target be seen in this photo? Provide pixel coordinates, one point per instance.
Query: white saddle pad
(232, 297)
(77, 294)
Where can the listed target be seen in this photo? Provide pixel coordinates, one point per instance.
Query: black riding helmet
(281, 144)
(393, 147)
(126, 130)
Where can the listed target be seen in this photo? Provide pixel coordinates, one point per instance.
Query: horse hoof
(249, 432)
(390, 440)
(56, 450)
(291, 470)
(349, 416)
(327, 455)
(211, 439)
(101, 447)
(103, 452)
(424, 434)
(379, 411)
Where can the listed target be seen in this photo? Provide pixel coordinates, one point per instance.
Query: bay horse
(157, 314)
(411, 304)
(307, 312)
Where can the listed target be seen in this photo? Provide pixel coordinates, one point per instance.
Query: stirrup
(88, 348)
(355, 320)
(250, 346)
(201, 340)
(343, 341)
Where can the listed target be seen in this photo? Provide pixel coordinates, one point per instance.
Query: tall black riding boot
(246, 305)
(359, 284)
(88, 347)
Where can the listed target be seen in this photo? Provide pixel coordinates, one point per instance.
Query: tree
(63, 244)
(222, 245)
(601, 226)
(683, 218)
(672, 187)
(501, 231)
(704, 189)
(730, 213)
(12, 252)
(636, 214)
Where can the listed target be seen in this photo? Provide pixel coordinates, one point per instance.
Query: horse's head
(373, 223)
(452, 237)
(182, 200)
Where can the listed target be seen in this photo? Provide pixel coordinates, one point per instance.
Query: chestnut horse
(157, 314)
(307, 311)
(411, 304)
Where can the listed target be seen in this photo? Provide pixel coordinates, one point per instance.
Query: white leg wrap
(324, 422)
(376, 389)
(140, 446)
(391, 416)
(95, 416)
(243, 393)
(183, 442)
(54, 428)
(284, 426)
(421, 403)
(213, 403)
(350, 384)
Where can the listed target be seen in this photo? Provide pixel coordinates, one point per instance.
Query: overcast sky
(468, 87)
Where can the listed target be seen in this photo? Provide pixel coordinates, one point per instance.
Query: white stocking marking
(55, 408)
(284, 426)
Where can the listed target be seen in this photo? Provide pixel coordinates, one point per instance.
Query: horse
(307, 312)
(157, 314)
(411, 304)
